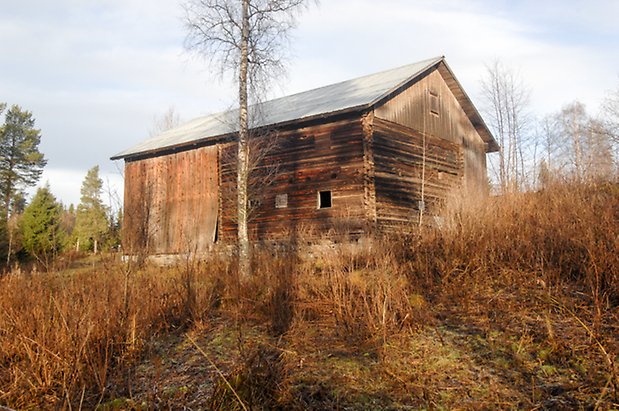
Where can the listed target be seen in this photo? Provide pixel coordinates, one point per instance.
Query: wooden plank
(412, 108)
(411, 167)
(311, 159)
(171, 202)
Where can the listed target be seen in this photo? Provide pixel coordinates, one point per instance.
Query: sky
(97, 73)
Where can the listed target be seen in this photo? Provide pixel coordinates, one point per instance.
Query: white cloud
(470, 34)
(95, 72)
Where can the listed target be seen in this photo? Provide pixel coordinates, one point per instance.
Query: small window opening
(281, 201)
(307, 139)
(254, 203)
(323, 141)
(324, 199)
(434, 106)
(465, 142)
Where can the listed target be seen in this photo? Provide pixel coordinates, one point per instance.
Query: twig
(604, 392)
(218, 372)
(82, 398)
(587, 329)
(611, 366)
(43, 347)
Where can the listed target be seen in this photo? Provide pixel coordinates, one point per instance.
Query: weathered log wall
(381, 167)
(297, 165)
(430, 107)
(410, 168)
(171, 202)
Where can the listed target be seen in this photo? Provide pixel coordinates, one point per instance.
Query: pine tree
(91, 222)
(68, 219)
(21, 163)
(13, 237)
(42, 235)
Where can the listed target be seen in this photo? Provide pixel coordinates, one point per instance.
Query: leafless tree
(247, 38)
(583, 144)
(610, 113)
(506, 103)
(548, 142)
(610, 119)
(165, 122)
(262, 171)
(601, 161)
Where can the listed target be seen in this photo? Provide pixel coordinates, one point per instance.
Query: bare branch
(249, 38)
(165, 122)
(506, 103)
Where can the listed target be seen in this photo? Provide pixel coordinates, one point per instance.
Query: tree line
(570, 144)
(41, 229)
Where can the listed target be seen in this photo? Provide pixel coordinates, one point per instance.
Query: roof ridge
(433, 61)
(353, 94)
(377, 73)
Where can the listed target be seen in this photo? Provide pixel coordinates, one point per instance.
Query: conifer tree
(42, 235)
(91, 221)
(68, 219)
(21, 163)
(13, 238)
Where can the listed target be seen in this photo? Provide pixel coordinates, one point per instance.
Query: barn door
(191, 200)
(171, 202)
(200, 202)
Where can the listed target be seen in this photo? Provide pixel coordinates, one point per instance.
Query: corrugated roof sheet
(357, 93)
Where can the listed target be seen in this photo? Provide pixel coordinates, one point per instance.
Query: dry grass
(513, 303)
(63, 337)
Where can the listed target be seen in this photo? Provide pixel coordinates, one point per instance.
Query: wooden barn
(363, 156)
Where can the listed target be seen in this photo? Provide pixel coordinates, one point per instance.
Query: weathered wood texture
(413, 108)
(301, 163)
(369, 168)
(171, 202)
(381, 166)
(406, 163)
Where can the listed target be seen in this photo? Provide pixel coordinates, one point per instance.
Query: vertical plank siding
(171, 202)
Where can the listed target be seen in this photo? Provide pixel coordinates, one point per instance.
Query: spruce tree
(91, 222)
(42, 235)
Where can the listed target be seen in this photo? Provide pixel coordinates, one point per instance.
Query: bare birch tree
(249, 39)
(610, 119)
(506, 102)
(583, 148)
(549, 143)
(165, 121)
(610, 112)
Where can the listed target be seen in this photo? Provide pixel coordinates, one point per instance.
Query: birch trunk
(243, 152)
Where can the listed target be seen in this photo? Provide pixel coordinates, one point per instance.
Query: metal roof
(359, 93)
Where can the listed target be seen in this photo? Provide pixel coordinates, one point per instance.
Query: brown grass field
(512, 304)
